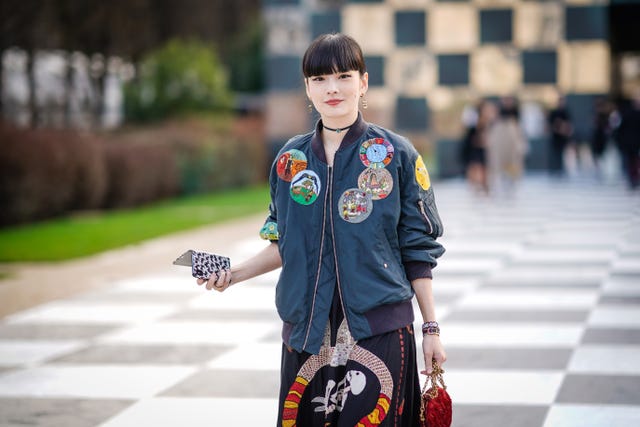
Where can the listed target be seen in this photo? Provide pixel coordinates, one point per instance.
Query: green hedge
(45, 173)
(140, 173)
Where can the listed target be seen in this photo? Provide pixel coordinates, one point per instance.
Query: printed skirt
(371, 382)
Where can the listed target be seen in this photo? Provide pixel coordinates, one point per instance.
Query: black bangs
(332, 53)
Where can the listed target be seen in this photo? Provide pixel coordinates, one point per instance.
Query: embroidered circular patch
(355, 205)
(376, 153)
(305, 187)
(290, 163)
(377, 182)
(269, 231)
(422, 175)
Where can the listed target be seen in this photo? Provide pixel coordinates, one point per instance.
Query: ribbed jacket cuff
(417, 270)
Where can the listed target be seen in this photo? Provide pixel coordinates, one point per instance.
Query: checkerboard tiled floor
(538, 298)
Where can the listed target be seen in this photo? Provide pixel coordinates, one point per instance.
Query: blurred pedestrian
(469, 120)
(353, 223)
(561, 129)
(507, 147)
(601, 131)
(474, 148)
(628, 135)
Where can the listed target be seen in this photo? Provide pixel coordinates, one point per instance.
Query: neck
(332, 140)
(336, 130)
(339, 125)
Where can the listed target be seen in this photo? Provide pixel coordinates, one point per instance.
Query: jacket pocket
(429, 212)
(291, 308)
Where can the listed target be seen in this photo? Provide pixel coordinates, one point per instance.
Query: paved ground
(538, 298)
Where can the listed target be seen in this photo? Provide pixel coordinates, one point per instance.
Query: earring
(310, 107)
(365, 104)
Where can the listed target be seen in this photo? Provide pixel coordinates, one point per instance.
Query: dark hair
(333, 53)
(509, 107)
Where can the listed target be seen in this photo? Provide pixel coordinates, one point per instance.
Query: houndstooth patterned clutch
(203, 264)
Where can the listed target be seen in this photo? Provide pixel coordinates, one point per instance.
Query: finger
(200, 281)
(440, 358)
(428, 370)
(227, 278)
(223, 280)
(428, 364)
(219, 285)
(212, 281)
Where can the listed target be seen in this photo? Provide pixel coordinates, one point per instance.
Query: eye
(345, 76)
(317, 78)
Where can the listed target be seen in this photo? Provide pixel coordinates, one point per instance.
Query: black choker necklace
(338, 130)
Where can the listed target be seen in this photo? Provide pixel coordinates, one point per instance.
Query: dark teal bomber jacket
(362, 229)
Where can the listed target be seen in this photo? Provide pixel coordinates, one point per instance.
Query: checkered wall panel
(439, 55)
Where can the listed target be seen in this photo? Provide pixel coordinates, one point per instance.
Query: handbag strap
(435, 378)
(431, 390)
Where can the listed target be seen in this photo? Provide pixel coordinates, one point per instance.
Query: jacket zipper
(328, 194)
(424, 214)
(315, 288)
(335, 256)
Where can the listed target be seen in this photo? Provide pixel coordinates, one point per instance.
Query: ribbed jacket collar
(353, 134)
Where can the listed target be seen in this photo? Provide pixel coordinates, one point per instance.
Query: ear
(364, 83)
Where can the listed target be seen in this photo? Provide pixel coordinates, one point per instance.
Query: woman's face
(488, 113)
(336, 95)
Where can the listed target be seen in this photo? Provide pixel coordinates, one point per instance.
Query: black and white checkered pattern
(538, 298)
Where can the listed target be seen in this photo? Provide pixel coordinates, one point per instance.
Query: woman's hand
(219, 282)
(432, 349)
(264, 261)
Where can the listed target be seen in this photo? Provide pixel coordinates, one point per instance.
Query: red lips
(333, 102)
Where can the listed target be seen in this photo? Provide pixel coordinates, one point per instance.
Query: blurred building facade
(429, 59)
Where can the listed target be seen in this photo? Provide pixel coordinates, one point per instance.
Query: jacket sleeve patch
(290, 163)
(269, 231)
(422, 175)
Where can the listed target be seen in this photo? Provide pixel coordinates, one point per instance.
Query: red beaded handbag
(435, 406)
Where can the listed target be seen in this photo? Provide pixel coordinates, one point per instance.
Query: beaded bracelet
(431, 328)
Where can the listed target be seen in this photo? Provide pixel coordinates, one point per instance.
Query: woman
(507, 147)
(353, 224)
(475, 144)
(561, 131)
(628, 137)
